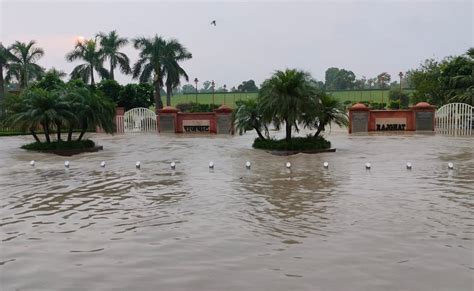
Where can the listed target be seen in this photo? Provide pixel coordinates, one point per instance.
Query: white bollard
(368, 166)
(211, 165)
(32, 163)
(247, 165)
(288, 165)
(138, 165)
(326, 165)
(102, 164)
(409, 166)
(173, 165)
(450, 166)
(66, 164)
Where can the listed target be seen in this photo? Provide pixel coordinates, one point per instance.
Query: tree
(288, 97)
(383, 79)
(247, 86)
(206, 86)
(110, 44)
(174, 52)
(398, 99)
(188, 88)
(5, 58)
(136, 95)
(339, 79)
(50, 80)
(329, 110)
(110, 89)
(93, 58)
(458, 78)
(248, 116)
(23, 65)
(148, 68)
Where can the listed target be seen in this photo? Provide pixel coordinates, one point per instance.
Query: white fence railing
(455, 119)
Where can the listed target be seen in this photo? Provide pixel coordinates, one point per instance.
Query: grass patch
(295, 144)
(59, 145)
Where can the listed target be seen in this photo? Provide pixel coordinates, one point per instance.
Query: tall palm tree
(174, 53)
(88, 52)
(110, 44)
(5, 57)
(23, 65)
(149, 65)
(288, 97)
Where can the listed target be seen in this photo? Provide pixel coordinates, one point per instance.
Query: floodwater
(267, 228)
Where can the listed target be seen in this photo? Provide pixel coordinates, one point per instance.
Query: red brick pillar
(423, 117)
(359, 116)
(167, 119)
(224, 123)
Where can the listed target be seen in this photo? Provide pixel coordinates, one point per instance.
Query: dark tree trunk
(92, 76)
(158, 102)
(33, 133)
(259, 133)
(59, 131)
(83, 131)
(2, 92)
(111, 76)
(318, 131)
(288, 130)
(69, 134)
(169, 90)
(46, 132)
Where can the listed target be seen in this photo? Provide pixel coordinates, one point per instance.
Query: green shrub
(61, 145)
(196, 107)
(295, 144)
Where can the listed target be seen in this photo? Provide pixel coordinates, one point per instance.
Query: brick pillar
(224, 123)
(168, 120)
(359, 116)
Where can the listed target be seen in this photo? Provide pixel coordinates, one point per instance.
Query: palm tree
(23, 65)
(158, 58)
(329, 110)
(462, 85)
(150, 62)
(110, 45)
(88, 52)
(288, 97)
(248, 117)
(5, 57)
(174, 53)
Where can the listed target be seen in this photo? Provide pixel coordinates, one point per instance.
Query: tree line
(158, 63)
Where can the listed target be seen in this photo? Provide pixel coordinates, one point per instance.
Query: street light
(400, 96)
(225, 92)
(213, 84)
(196, 81)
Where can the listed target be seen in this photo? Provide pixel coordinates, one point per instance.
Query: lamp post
(400, 96)
(196, 81)
(225, 92)
(213, 84)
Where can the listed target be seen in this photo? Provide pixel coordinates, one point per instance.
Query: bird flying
(213, 22)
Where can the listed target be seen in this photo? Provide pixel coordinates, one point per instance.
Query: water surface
(268, 228)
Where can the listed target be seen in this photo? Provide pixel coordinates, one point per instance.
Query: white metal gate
(455, 119)
(139, 120)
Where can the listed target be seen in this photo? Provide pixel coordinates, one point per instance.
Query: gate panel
(455, 119)
(139, 120)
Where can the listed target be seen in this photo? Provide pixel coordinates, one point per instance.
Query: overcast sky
(252, 39)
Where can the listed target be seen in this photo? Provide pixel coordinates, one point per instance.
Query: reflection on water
(267, 228)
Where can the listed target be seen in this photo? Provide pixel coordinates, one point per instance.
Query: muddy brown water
(268, 228)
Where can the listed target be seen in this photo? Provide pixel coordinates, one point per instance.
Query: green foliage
(51, 80)
(174, 54)
(328, 110)
(110, 44)
(339, 79)
(247, 86)
(93, 58)
(288, 97)
(248, 116)
(22, 63)
(398, 99)
(13, 103)
(59, 145)
(295, 144)
(188, 88)
(110, 89)
(136, 95)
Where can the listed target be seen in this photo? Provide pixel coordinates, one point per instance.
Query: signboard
(384, 124)
(360, 122)
(224, 124)
(166, 123)
(196, 125)
(424, 120)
